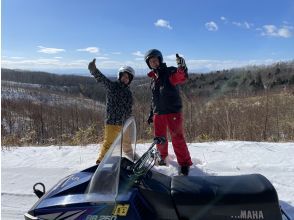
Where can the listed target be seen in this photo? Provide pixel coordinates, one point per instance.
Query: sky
(64, 36)
(22, 167)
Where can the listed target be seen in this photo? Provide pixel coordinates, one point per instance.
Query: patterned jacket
(119, 100)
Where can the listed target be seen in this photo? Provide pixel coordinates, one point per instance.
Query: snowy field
(22, 167)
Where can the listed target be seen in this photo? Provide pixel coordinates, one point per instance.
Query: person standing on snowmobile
(166, 106)
(118, 105)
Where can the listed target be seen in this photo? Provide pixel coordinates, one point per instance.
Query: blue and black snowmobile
(125, 186)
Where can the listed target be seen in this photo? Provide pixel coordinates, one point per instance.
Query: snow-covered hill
(22, 167)
(49, 95)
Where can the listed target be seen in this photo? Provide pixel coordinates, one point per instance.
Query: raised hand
(181, 62)
(92, 67)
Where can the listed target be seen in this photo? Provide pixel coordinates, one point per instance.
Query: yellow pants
(110, 134)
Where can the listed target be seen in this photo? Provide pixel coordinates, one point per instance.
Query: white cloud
(17, 58)
(284, 32)
(223, 18)
(138, 53)
(116, 53)
(49, 50)
(41, 63)
(163, 23)
(102, 58)
(212, 65)
(273, 31)
(90, 49)
(110, 64)
(137, 63)
(172, 57)
(237, 23)
(211, 26)
(248, 25)
(244, 24)
(29, 62)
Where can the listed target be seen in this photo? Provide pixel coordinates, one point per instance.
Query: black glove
(150, 118)
(181, 62)
(92, 68)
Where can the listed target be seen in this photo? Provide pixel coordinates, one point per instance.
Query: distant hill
(248, 79)
(242, 80)
(68, 84)
(252, 103)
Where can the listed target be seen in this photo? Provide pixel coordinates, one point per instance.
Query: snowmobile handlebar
(148, 159)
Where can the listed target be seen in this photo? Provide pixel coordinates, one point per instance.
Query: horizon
(209, 35)
(141, 73)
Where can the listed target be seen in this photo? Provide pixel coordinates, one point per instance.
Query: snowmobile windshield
(105, 181)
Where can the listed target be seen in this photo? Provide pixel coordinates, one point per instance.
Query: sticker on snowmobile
(121, 210)
(101, 217)
(249, 214)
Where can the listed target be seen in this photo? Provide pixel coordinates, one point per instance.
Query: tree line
(252, 103)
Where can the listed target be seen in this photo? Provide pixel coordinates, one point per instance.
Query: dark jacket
(119, 100)
(165, 91)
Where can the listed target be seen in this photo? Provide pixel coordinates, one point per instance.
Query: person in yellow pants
(110, 133)
(118, 104)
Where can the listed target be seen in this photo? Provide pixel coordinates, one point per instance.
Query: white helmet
(127, 69)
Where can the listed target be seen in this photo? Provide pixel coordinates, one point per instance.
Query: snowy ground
(22, 167)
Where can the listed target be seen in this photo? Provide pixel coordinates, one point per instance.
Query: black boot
(161, 163)
(184, 170)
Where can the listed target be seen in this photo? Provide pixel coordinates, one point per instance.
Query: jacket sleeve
(101, 78)
(179, 77)
(153, 75)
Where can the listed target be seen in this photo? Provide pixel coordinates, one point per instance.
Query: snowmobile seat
(155, 188)
(225, 197)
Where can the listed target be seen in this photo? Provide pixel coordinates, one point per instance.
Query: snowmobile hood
(69, 190)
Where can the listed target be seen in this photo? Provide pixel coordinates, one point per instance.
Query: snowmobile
(126, 186)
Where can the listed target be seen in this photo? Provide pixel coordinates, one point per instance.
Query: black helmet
(153, 53)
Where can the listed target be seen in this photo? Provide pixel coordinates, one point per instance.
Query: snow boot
(161, 162)
(183, 170)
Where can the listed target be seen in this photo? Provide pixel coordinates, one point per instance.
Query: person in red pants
(166, 106)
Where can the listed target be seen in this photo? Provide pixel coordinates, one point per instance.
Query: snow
(52, 95)
(22, 167)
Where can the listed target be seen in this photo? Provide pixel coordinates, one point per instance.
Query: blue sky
(62, 36)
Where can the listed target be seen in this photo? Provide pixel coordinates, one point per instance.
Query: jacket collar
(155, 73)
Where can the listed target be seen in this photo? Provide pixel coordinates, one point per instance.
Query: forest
(253, 103)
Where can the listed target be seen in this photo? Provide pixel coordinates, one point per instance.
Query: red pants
(174, 122)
